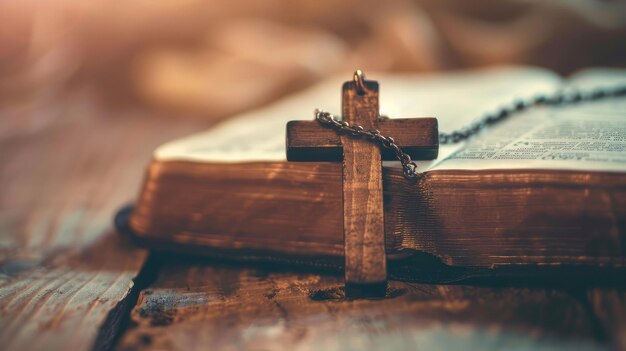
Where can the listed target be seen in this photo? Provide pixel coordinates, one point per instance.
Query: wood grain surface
(197, 305)
(418, 137)
(66, 278)
(608, 310)
(67, 281)
(365, 268)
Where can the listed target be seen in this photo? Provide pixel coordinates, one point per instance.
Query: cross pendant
(365, 269)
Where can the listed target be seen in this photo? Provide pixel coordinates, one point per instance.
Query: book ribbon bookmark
(365, 268)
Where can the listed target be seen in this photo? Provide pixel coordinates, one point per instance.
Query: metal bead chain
(328, 120)
(410, 168)
(561, 98)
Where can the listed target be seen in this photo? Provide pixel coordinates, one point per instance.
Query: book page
(587, 136)
(454, 98)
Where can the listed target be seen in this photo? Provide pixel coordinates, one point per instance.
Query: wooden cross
(363, 215)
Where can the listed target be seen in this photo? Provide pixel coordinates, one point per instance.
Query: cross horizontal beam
(418, 137)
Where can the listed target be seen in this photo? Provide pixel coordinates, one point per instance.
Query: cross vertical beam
(363, 214)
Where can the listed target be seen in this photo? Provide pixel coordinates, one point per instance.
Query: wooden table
(69, 282)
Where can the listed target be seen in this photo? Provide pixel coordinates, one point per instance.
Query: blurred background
(89, 88)
(211, 59)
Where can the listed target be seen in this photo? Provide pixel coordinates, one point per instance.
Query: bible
(545, 188)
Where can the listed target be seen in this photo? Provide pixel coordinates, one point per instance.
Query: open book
(545, 187)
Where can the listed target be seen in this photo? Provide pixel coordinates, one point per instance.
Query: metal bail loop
(358, 77)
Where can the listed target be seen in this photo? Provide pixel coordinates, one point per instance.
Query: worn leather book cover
(545, 189)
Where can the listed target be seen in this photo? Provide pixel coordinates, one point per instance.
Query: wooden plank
(363, 214)
(76, 303)
(67, 279)
(308, 141)
(198, 304)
